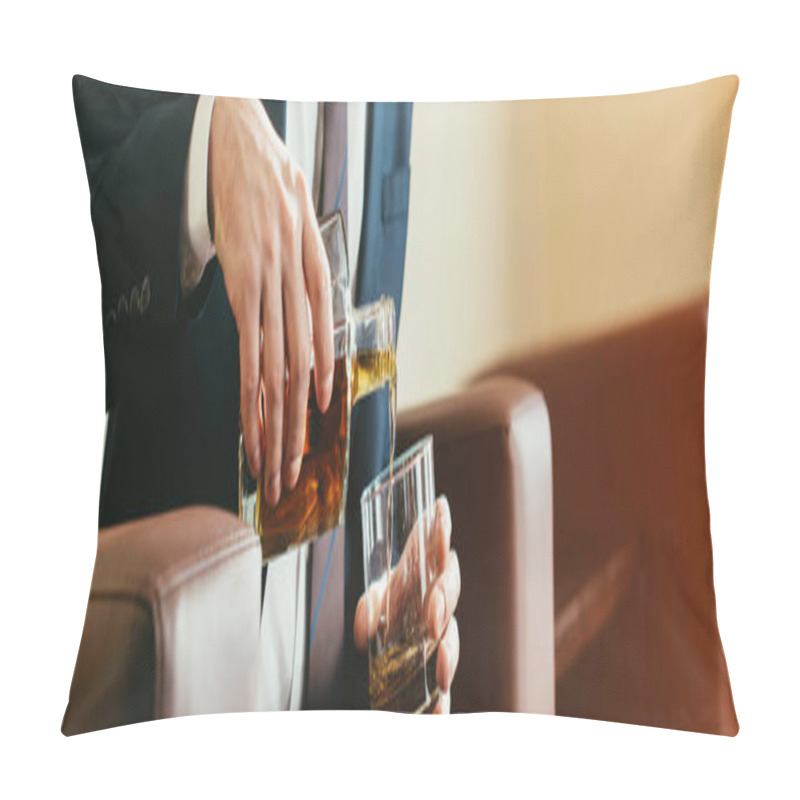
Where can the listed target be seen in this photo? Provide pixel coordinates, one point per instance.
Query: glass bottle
(364, 353)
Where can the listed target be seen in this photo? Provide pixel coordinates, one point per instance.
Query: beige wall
(531, 223)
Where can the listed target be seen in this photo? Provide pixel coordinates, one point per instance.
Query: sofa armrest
(492, 460)
(636, 613)
(172, 624)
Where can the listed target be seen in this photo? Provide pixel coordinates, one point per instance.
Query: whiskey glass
(400, 568)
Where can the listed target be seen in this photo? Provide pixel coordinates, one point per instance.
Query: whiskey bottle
(364, 350)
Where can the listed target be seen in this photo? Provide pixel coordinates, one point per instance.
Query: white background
(53, 385)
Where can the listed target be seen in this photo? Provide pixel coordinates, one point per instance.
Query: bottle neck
(373, 347)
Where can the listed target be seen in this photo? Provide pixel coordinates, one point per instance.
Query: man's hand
(273, 262)
(441, 603)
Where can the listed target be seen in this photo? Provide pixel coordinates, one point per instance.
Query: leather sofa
(172, 623)
(492, 460)
(636, 636)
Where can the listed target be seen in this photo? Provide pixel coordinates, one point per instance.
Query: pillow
(551, 259)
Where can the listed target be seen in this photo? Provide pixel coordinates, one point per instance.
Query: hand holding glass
(402, 560)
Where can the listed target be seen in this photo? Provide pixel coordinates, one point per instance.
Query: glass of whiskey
(400, 568)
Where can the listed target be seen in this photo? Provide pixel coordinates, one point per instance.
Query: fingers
(433, 541)
(447, 657)
(299, 347)
(444, 596)
(368, 612)
(250, 383)
(443, 571)
(442, 704)
(360, 624)
(318, 285)
(442, 530)
(271, 253)
(274, 372)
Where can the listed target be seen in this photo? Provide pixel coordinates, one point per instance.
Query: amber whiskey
(403, 678)
(316, 504)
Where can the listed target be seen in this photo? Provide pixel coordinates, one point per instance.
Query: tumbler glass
(400, 567)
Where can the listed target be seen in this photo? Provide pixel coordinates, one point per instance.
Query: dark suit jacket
(172, 363)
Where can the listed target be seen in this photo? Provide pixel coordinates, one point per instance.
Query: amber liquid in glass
(400, 676)
(315, 505)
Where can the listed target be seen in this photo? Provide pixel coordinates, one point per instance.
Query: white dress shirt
(283, 620)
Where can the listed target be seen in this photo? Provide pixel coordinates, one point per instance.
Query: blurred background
(522, 235)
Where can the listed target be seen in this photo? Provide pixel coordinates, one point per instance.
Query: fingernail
(444, 510)
(274, 489)
(438, 612)
(256, 459)
(327, 385)
(293, 471)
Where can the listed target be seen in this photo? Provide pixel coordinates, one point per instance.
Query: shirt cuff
(197, 249)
